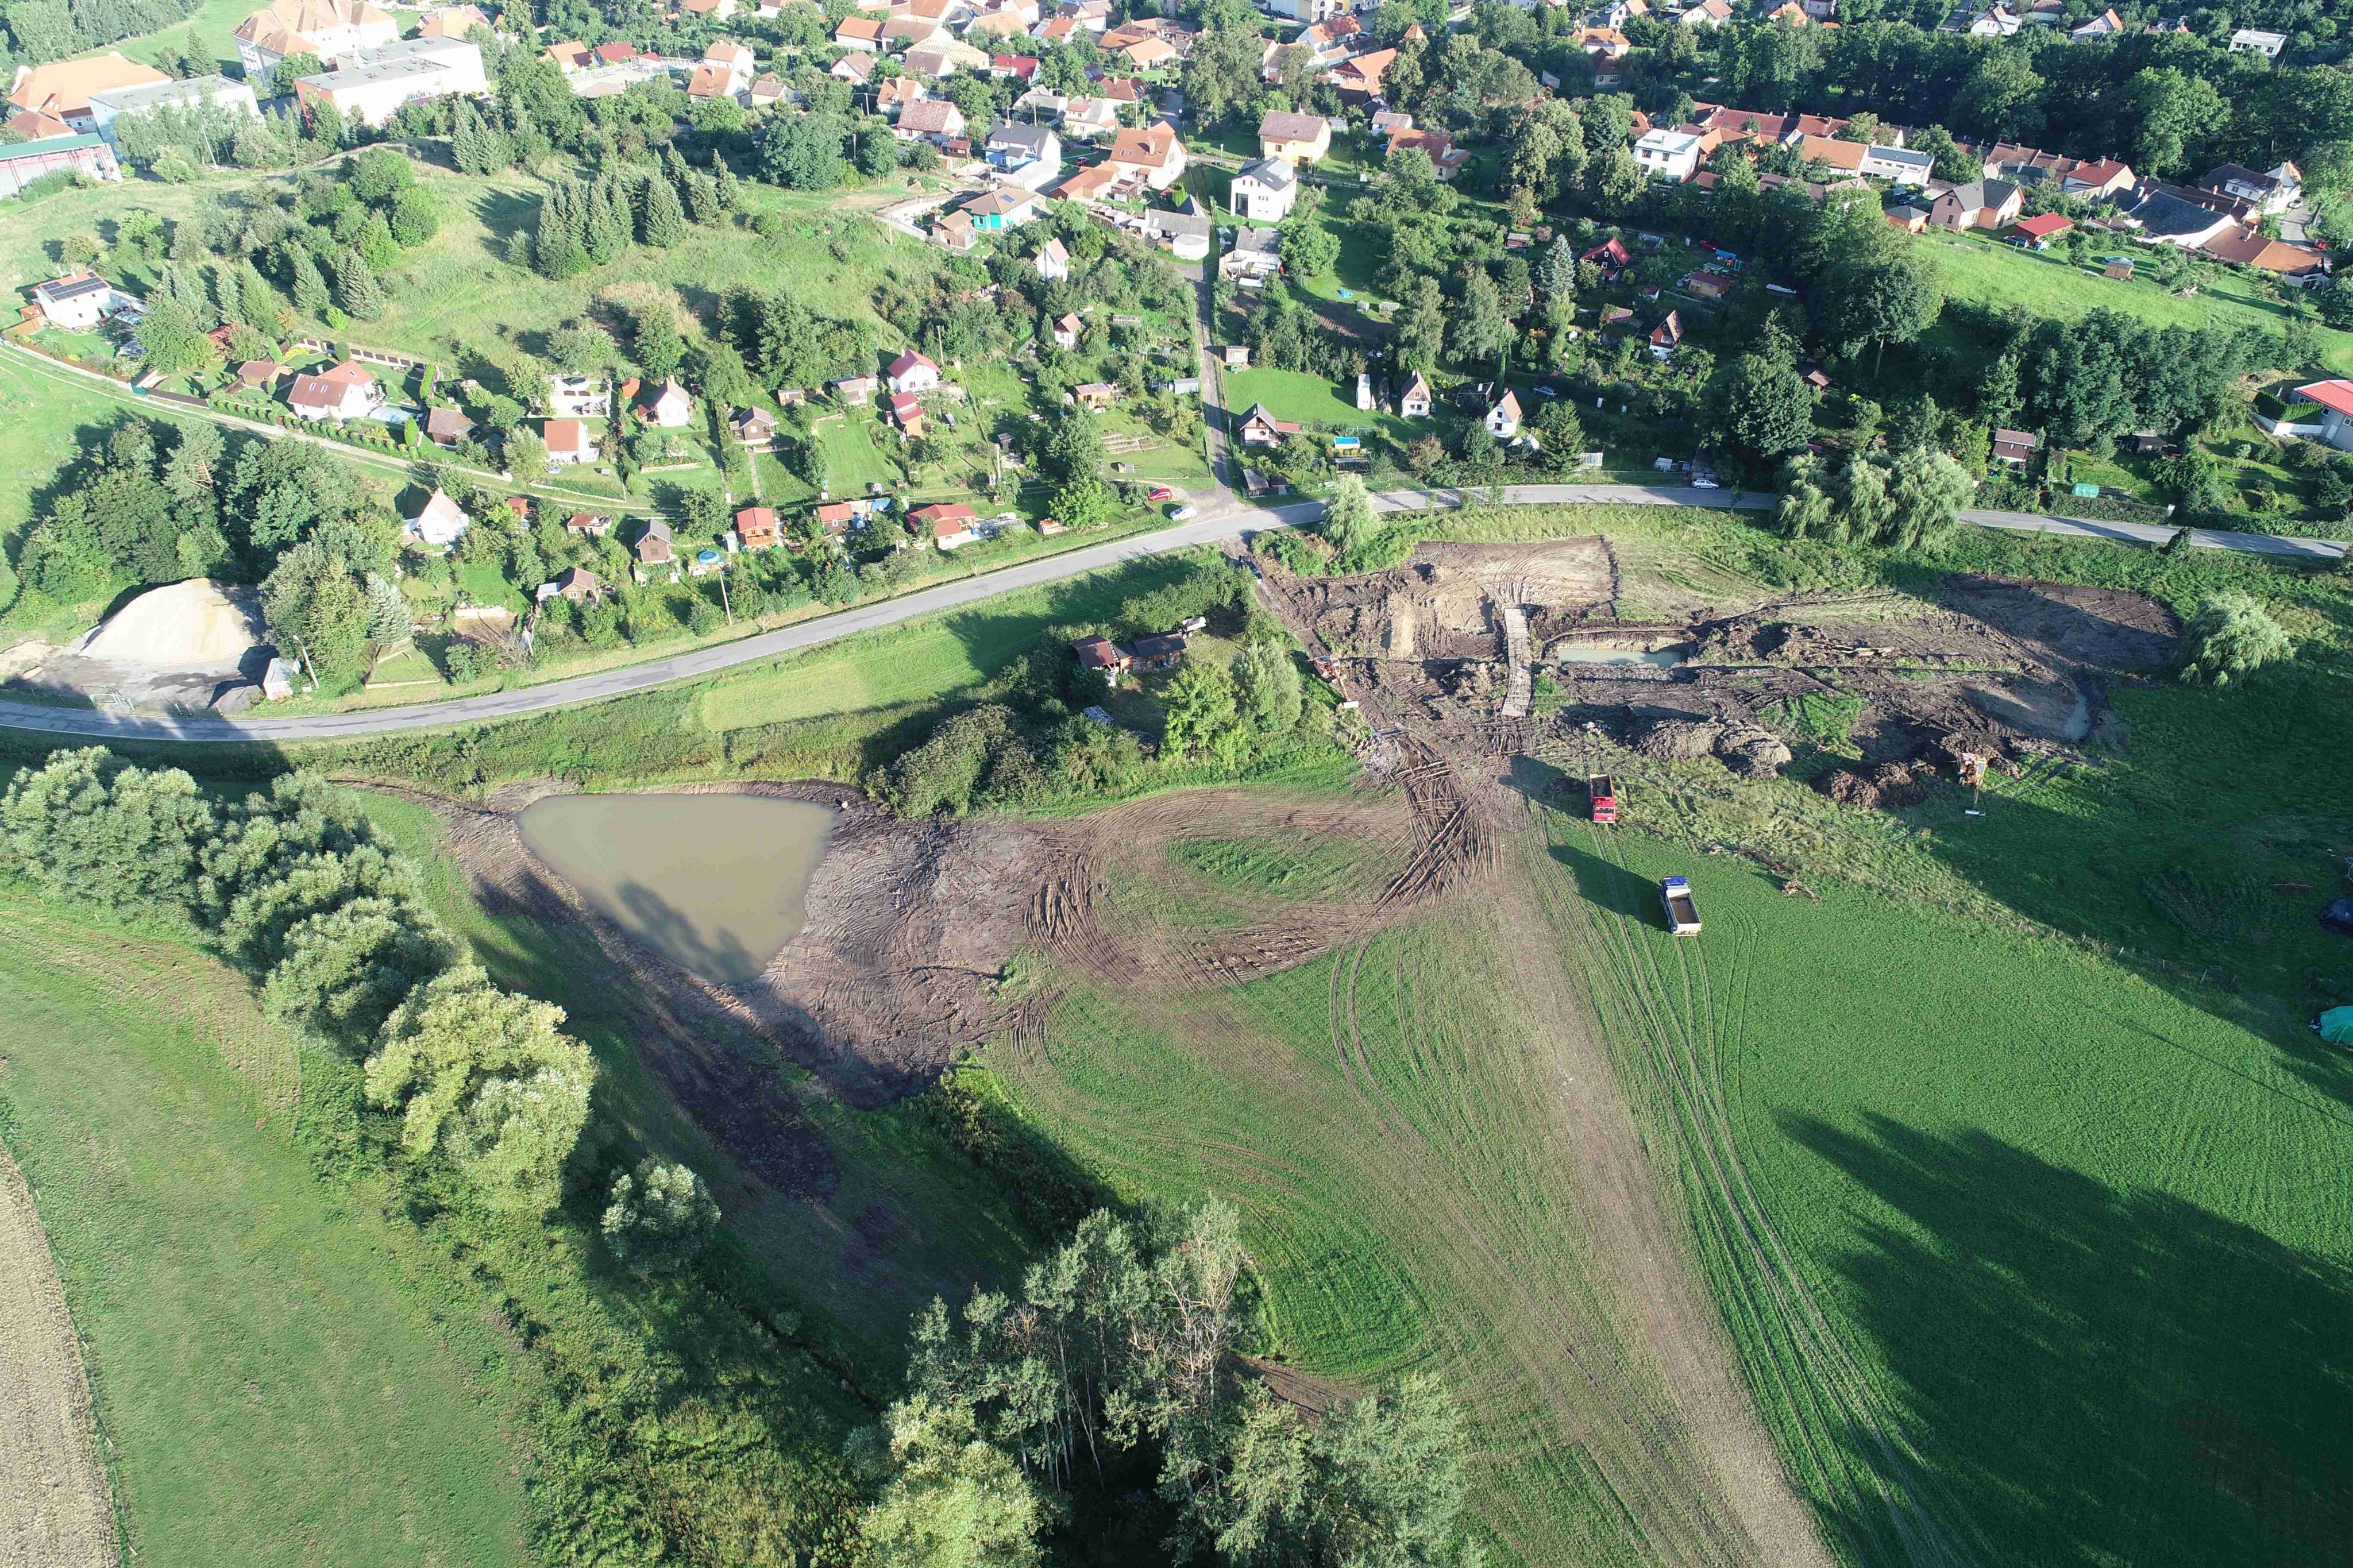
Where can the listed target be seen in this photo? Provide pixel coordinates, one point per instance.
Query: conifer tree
(256, 301)
(310, 283)
(729, 188)
(560, 248)
(609, 219)
(357, 288)
(375, 244)
(660, 223)
(703, 198)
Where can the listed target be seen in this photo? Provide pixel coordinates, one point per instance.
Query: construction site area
(1486, 651)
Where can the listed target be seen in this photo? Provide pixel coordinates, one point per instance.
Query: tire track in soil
(1818, 1375)
(55, 1510)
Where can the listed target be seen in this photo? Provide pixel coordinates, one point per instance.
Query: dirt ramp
(54, 1508)
(2071, 623)
(911, 926)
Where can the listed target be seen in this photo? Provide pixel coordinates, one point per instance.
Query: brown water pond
(716, 883)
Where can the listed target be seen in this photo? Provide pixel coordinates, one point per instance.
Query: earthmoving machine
(1602, 791)
(1682, 915)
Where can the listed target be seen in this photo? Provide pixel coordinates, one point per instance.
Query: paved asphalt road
(1221, 521)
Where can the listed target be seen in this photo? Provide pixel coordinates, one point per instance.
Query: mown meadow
(277, 1378)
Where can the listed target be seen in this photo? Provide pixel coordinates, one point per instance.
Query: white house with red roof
(1503, 418)
(2335, 399)
(347, 390)
(948, 525)
(910, 372)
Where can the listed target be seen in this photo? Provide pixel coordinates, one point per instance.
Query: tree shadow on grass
(2097, 1376)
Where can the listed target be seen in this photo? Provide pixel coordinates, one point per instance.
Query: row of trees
(1117, 1357)
(587, 223)
(293, 887)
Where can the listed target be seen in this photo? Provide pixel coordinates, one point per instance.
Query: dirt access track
(54, 1508)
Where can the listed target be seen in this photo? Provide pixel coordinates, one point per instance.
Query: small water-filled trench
(716, 883)
(1666, 658)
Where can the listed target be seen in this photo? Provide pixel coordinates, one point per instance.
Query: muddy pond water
(717, 883)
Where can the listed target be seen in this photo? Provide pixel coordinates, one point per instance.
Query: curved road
(1227, 519)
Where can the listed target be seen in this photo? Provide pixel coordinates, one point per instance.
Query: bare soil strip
(55, 1511)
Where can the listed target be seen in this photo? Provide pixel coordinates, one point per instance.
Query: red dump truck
(1682, 915)
(1602, 791)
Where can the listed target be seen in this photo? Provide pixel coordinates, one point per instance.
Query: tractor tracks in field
(1681, 1022)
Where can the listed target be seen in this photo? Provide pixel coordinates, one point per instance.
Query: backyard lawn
(1988, 270)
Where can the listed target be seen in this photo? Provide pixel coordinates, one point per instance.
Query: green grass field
(2045, 282)
(2076, 1241)
(852, 460)
(1382, 1118)
(271, 1389)
(208, 32)
(1310, 399)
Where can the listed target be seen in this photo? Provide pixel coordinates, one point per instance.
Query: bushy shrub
(2231, 636)
(659, 1218)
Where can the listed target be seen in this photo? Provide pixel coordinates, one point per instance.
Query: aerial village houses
(1668, 154)
(1260, 429)
(668, 407)
(376, 84)
(911, 371)
(1187, 236)
(568, 442)
(344, 391)
(1265, 190)
(1415, 404)
(757, 529)
(330, 29)
(1503, 418)
(654, 551)
(62, 88)
(1153, 155)
(1300, 138)
(440, 523)
(933, 120)
(1981, 204)
(947, 526)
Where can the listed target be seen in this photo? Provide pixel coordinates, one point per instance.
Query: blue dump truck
(1682, 915)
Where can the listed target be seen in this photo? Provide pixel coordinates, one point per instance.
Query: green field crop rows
(269, 1387)
(2026, 1256)
(1397, 1122)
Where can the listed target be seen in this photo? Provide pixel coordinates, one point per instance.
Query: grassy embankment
(278, 1376)
(2046, 283)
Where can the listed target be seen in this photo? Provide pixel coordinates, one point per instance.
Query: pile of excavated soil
(190, 624)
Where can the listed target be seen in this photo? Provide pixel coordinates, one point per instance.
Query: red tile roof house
(1102, 656)
(347, 390)
(2335, 400)
(949, 526)
(568, 442)
(911, 371)
(2036, 233)
(908, 414)
(756, 527)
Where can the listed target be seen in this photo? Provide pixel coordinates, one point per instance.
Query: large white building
(330, 29)
(1265, 190)
(1668, 154)
(376, 83)
(106, 107)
